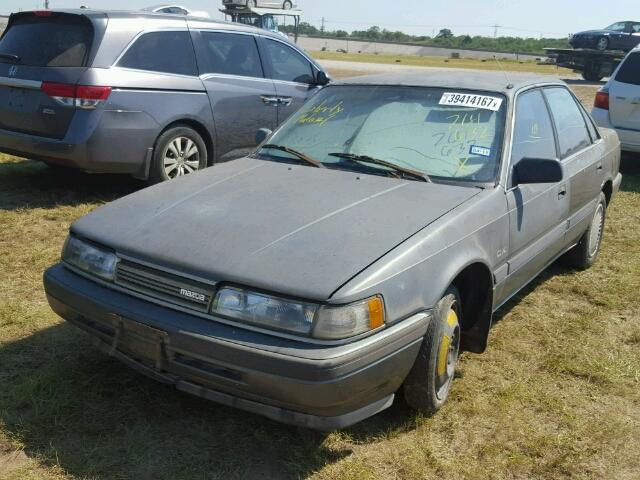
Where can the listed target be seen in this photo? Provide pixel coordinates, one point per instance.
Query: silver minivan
(155, 96)
(617, 104)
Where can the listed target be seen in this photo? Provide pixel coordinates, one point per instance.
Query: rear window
(630, 70)
(53, 41)
(166, 52)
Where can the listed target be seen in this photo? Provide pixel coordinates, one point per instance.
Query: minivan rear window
(56, 40)
(630, 70)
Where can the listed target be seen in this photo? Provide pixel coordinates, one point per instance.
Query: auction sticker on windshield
(471, 101)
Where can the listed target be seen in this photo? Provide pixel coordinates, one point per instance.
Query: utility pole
(46, 4)
(322, 27)
(495, 31)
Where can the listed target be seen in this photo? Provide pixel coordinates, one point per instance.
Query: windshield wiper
(295, 153)
(397, 168)
(10, 56)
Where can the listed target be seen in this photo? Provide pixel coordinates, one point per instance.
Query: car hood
(291, 229)
(588, 33)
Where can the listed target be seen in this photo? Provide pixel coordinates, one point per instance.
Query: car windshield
(617, 27)
(447, 134)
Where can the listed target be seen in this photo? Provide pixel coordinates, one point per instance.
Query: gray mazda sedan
(361, 248)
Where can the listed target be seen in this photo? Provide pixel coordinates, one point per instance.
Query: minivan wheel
(585, 253)
(179, 151)
(427, 386)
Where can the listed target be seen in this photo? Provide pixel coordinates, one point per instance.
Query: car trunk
(42, 57)
(625, 94)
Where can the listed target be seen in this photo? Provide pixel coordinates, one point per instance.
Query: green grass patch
(467, 63)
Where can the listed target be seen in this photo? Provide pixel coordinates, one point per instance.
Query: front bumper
(315, 386)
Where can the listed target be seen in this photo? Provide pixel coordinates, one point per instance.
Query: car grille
(164, 286)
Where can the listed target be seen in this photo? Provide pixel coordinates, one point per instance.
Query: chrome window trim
(20, 83)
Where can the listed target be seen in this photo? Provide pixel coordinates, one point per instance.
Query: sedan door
(242, 99)
(537, 212)
(581, 156)
(292, 73)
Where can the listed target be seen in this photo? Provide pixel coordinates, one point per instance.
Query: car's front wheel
(427, 386)
(179, 151)
(586, 252)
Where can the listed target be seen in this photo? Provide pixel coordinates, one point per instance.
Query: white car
(176, 10)
(617, 104)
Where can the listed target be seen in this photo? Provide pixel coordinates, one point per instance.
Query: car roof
(507, 83)
(95, 14)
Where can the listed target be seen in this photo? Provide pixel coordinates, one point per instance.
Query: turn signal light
(602, 100)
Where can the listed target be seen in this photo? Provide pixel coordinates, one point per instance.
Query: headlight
(322, 322)
(265, 310)
(90, 259)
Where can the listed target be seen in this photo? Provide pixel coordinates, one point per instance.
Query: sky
(524, 18)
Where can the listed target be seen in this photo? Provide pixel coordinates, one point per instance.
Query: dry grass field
(556, 396)
(441, 62)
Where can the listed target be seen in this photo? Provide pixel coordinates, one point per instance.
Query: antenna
(509, 83)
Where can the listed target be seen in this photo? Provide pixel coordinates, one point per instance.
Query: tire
(179, 151)
(427, 386)
(585, 253)
(602, 44)
(287, 5)
(591, 76)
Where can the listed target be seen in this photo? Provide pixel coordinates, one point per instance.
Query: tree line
(445, 38)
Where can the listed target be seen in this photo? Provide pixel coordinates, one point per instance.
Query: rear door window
(573, 135)
(230, 54)
(287, 64)
(166, 52)
(57, 40)
(630, 70)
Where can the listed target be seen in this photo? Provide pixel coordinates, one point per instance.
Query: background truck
(594, 65)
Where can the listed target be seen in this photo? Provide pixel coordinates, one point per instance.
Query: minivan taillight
(81, 96)
(602, 100)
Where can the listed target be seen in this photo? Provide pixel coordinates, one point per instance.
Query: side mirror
(322, 78)
(537, 170)
(262, 135)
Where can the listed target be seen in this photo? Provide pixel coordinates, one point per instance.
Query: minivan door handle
(286, 101)
(270, 101)
(599, 166)
(562, 191)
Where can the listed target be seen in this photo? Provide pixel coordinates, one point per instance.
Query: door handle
(599, 166)
(286, 101)
(270, 101)
(562, 192)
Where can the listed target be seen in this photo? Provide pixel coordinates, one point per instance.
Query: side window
(231, 54)
(630, 70)
(635, 28)
(287, 64)
(573, 135)
(167, 52)
(533, 134)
